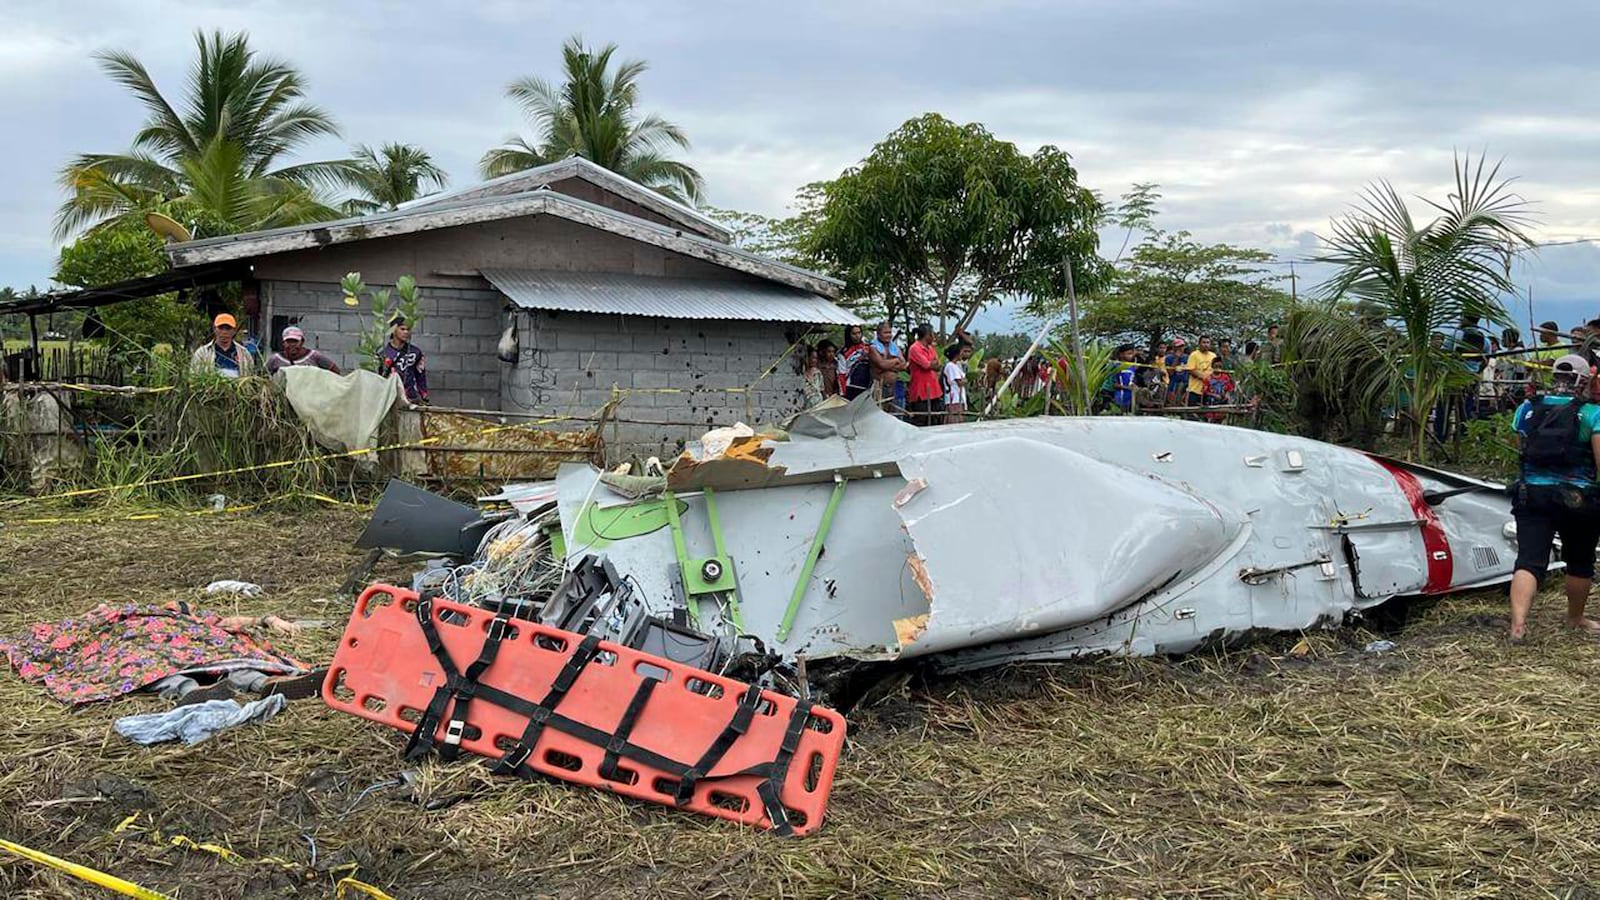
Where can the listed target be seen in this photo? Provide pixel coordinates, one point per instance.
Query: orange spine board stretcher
(385, 670)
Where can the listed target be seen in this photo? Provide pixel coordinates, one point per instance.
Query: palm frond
(165, 130)
(516, 156)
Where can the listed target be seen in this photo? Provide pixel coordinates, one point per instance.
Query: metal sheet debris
(850, 536)
(468, 446)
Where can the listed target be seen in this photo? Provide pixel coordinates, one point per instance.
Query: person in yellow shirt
(1199, 368)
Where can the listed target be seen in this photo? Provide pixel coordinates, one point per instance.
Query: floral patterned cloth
(114, 650)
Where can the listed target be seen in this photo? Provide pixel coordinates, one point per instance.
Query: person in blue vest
(1557, 493)
(402, 358)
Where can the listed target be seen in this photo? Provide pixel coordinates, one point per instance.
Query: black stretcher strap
(422, 737)
(539, 714)
(619, 737)
(467, 687)
(586, 733)
(777, 772)
(461, 687)
(736, 727)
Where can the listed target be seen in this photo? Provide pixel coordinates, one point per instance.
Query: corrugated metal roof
(580, 168)
(673, 298)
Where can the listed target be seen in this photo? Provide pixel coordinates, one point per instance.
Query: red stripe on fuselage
(1441, 563)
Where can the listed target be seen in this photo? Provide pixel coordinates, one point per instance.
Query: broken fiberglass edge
(854, 535)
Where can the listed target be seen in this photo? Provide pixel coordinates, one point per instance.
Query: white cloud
(1259, 120)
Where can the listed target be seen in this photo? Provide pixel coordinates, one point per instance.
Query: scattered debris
(973, 544)
(115, 650)
(1380, 646)
(197, 722)
(239, 588)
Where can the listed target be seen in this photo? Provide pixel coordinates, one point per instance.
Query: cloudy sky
(1259, 120)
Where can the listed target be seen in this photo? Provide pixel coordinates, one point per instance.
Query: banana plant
(381, 307)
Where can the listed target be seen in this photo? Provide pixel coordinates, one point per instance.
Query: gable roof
(597, 175)
(449, 214)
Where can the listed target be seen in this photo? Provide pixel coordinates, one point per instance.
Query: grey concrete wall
(451, 257)
(458, 332)
(676, 373)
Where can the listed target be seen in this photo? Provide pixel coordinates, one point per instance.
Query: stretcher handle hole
(797, 817)
(410, 714)
(353, 643)
(623, 775)
(649, 669)
(667, 786)
(471, 732)
(767, 707)
(730, 802)
(563, 760)
(505, 743)
(342, 691)
(410, 605)
(704, 688)
(550, 642)
(819, 724)
(377, 601)
(374, 704)
(813, 772)
(454, 617)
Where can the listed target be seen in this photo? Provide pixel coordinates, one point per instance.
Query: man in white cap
(1558, 493)
(295, 353)
(222, 355)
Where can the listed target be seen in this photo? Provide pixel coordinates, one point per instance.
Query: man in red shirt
(924, 397)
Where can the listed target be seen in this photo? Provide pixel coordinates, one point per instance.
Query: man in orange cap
(222, 355)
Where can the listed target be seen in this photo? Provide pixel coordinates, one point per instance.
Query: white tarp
(343, 412)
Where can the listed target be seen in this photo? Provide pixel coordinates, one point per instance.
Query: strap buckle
(454, 731)
(499, 626)
(518, 755)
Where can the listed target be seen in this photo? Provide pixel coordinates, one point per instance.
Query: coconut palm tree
(1399, 283)
(592, 114)
(217, 156)
(395, 174)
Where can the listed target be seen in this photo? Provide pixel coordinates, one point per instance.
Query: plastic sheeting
(342, 412)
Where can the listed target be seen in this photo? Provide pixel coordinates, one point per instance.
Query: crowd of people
(927, 384)
(933, 391)
(226, 356)
(1507, 372)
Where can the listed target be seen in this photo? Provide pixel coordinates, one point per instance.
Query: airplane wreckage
(852, 537)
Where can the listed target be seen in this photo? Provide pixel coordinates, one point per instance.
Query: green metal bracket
(811, 558)
(681, 552)
(704, 576)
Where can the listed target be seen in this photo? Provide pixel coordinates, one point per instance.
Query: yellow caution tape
(284, 463)
(350, 885)
(409, 445)
(84, 873)
(185, 513)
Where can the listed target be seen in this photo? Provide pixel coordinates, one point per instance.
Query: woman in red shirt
(924, 397)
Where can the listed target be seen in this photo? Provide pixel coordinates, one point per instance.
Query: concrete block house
(609, 284)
